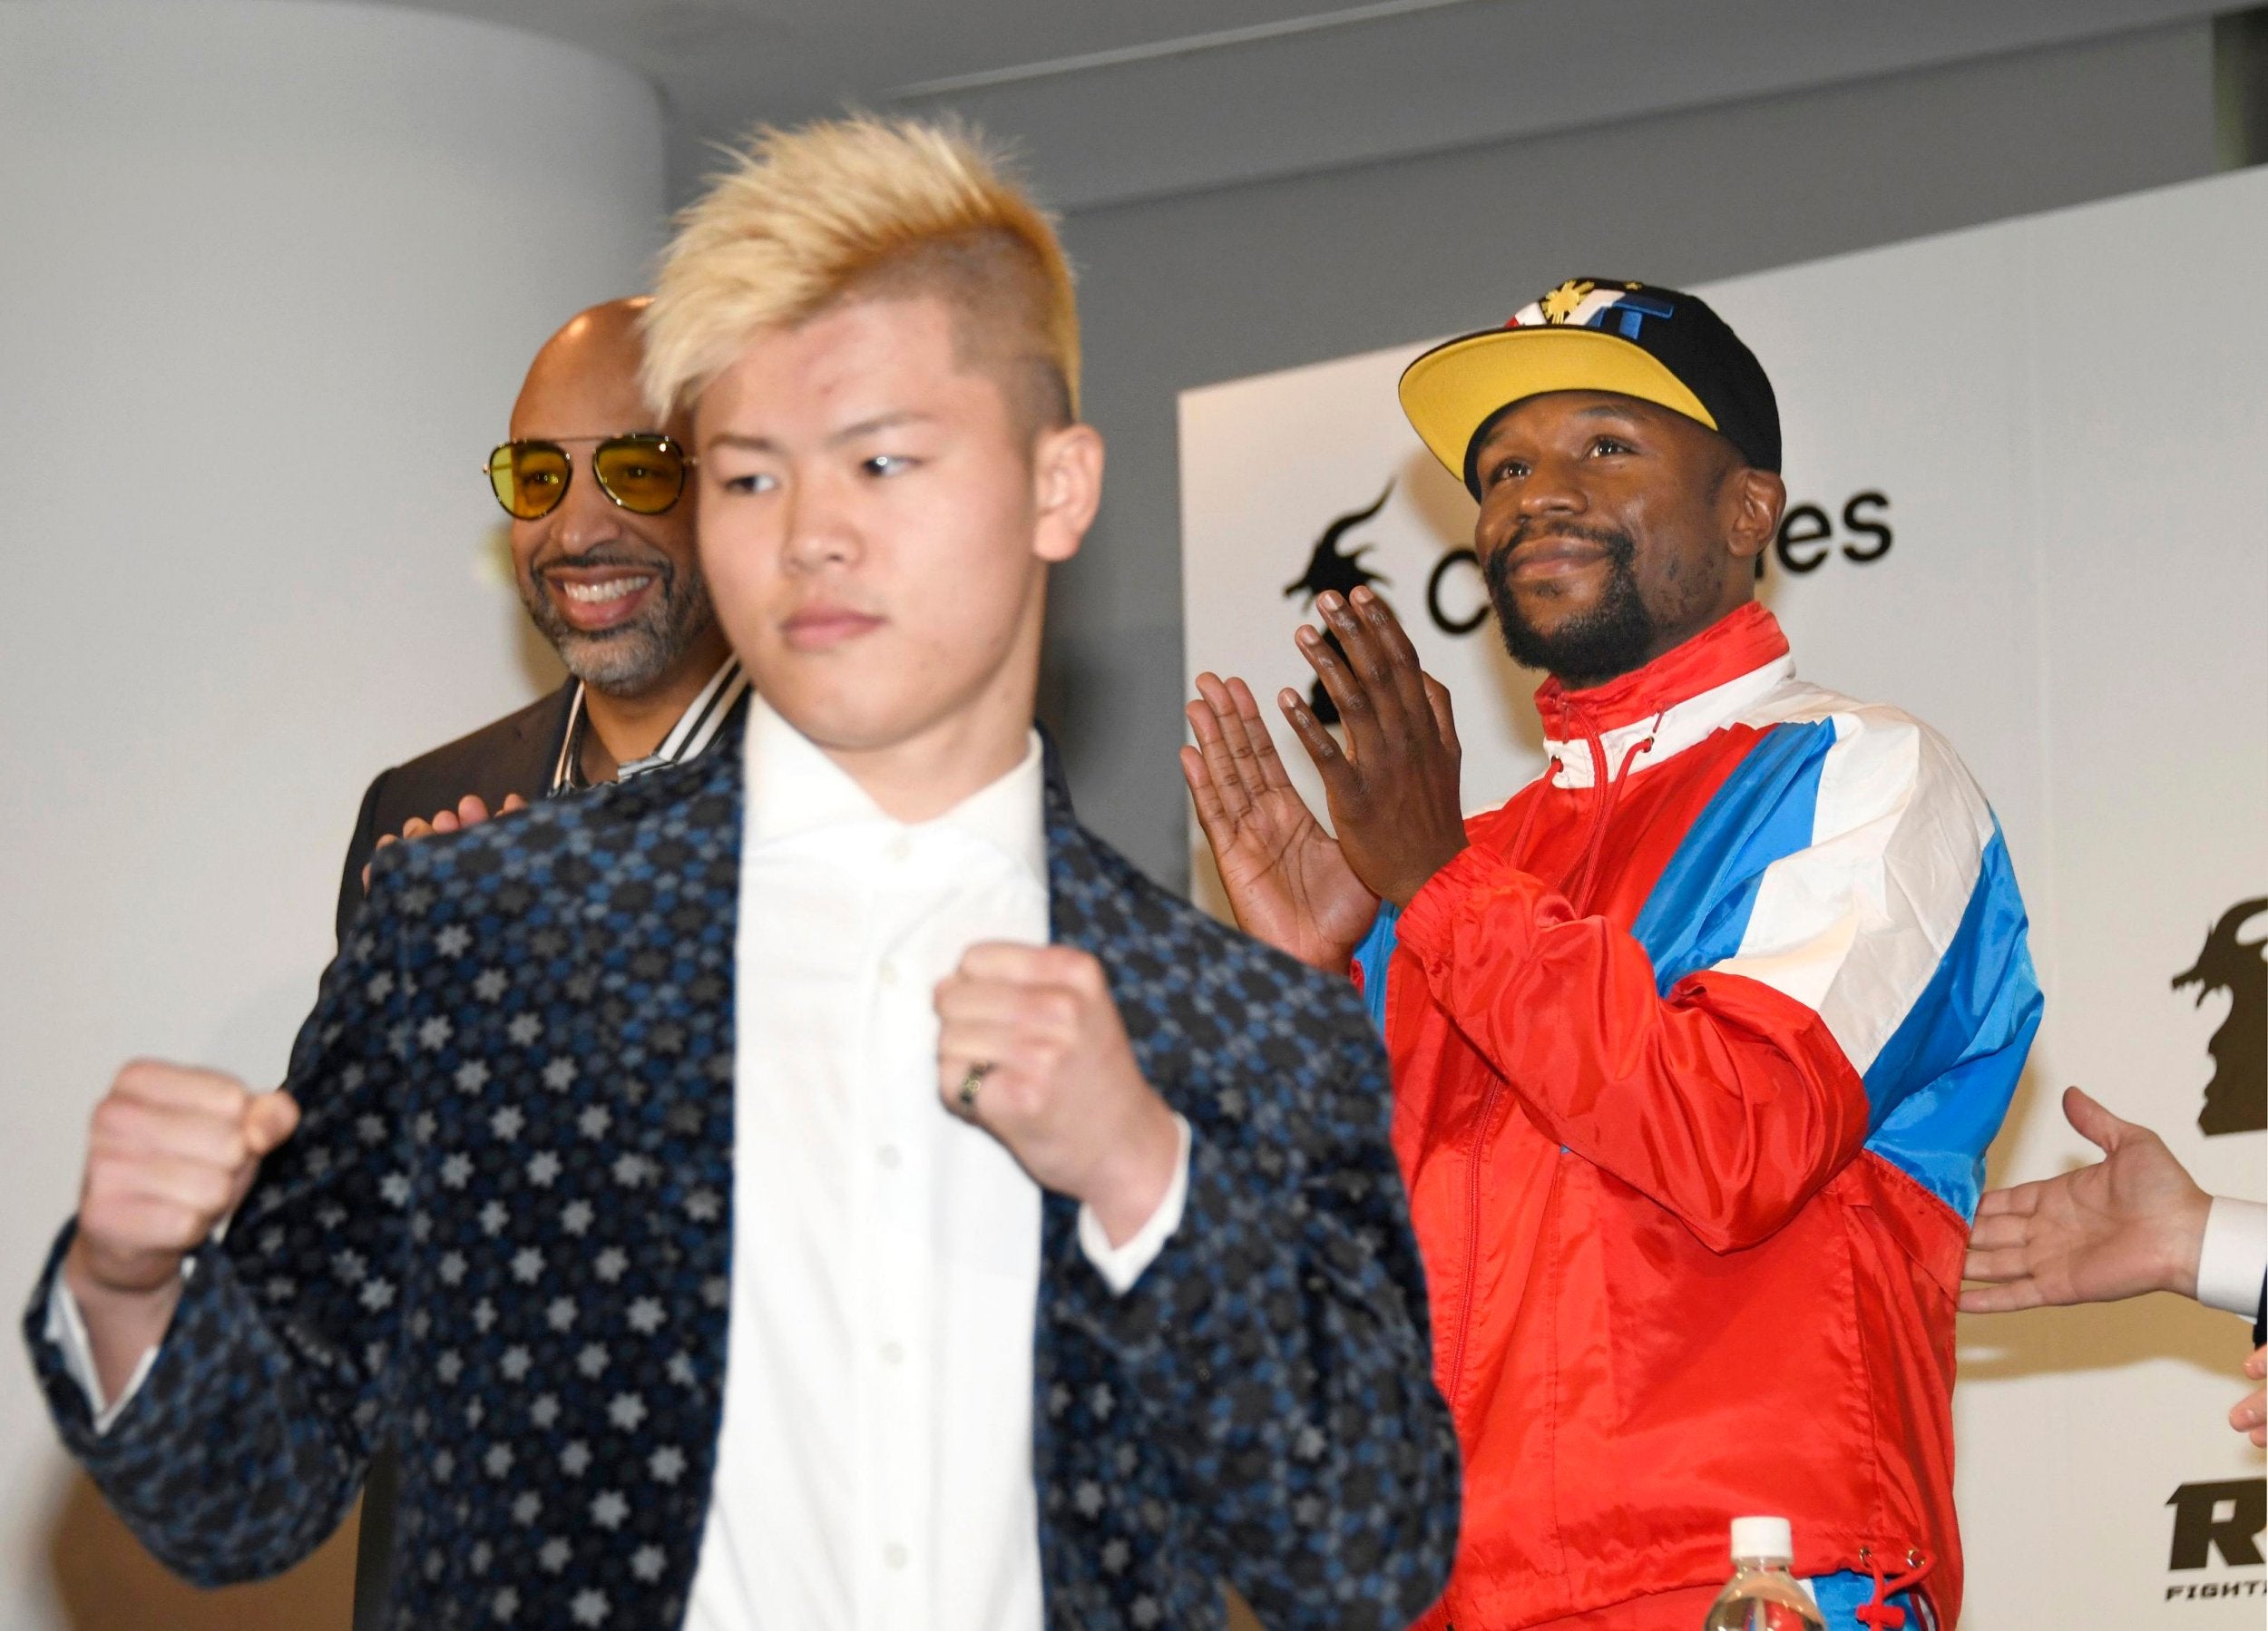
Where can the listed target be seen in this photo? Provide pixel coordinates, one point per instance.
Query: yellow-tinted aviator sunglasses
(641, 471)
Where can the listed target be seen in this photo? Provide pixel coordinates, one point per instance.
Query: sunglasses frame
(599, 444)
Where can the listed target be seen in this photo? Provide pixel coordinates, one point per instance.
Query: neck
(623, 729)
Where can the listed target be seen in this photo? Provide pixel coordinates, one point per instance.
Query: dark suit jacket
(503, 1231)
(514, 755)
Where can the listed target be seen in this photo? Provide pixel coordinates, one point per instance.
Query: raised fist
(170, 1153)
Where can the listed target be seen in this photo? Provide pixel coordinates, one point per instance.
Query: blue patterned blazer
(501, 1233)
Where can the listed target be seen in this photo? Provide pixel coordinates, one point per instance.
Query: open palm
(1287, 882)
(2131, 1223)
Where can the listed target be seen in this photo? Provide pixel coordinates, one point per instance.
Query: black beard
(627, 661)
(1611, 639)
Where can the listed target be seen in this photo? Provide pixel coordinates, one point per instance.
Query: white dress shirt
(874, 1466)
(2232, 1255)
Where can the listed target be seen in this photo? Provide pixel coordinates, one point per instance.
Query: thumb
(2092, 1122)
(512, 802)
(268, 1119)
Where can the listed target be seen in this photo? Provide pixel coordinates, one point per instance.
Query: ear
(1066, 489)
(1755, 498)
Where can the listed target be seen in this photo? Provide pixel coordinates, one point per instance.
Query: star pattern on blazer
(503, 1232)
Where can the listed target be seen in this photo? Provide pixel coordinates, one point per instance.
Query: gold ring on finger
(966, 1091)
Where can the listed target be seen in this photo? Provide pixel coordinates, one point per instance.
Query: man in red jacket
(1697, 1042)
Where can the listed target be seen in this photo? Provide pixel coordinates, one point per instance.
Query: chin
(849, 721)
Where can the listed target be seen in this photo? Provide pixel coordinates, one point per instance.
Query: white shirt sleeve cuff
(1122, 1265)
(2235, 1251)
(66, 1329)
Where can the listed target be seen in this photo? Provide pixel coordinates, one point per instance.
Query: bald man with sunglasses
(603, 553)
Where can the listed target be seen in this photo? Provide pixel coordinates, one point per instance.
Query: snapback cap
(1595, 334)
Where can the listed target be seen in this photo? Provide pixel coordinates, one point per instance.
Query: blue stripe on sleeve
(1765, 810)
(1373, 957)
(1941, 1084)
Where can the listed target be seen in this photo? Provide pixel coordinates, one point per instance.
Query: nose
(820, 530)
(586, 518)
(1551, 489)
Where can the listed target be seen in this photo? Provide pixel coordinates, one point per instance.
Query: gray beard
(633, 659)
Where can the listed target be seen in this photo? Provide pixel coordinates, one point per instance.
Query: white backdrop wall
(2060, 433)
(269, 275)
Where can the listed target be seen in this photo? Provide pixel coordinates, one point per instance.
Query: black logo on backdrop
(2225, 1517)
(2236, 1098)
(1331, 570)
(1807, 537)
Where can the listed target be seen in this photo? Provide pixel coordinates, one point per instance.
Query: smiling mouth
(600, 593)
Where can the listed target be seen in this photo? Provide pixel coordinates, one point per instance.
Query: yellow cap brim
(1452, 390)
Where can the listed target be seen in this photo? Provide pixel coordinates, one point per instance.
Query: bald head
(588, 372)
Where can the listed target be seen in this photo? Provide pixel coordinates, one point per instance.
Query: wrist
(2184, 1242)
(1129, 1182)
(96, 1284)
(1405, 889)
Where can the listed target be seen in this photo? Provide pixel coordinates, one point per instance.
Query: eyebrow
(1596, 410)
(849, 432)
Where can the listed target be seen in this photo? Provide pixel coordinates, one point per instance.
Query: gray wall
(1191, 290)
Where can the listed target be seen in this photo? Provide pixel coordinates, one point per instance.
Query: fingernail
(1328, 600)
(1307, 636)
(1362, 595)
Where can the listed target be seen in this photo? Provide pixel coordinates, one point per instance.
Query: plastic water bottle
(1762, 1596)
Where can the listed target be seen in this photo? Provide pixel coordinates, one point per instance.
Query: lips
(819, 628)
(1554, 557)
(594, 600)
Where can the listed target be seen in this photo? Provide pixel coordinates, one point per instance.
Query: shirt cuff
(1122, 1265)
(2235, 1253)
(66, 1330)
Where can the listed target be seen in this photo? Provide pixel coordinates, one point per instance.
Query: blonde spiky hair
(811, 216)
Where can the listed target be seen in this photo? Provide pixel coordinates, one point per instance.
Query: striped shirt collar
(689, 738)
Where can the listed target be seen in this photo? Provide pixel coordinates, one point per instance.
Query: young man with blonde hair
(819, 1186)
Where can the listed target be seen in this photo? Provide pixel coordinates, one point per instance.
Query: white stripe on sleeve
(1854, 926)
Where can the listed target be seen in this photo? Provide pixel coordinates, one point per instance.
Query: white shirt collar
(793, 787)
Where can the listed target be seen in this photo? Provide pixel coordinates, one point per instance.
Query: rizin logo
(1333, 571)
(2236, 1098)
(2225, 1517)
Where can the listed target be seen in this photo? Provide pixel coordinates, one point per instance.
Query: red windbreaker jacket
(1696, 1050)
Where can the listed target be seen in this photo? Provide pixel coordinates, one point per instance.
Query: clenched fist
(170, 1153)
(1056, 1081)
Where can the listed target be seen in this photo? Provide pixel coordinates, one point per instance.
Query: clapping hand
(1393, 790)
(1288, 880)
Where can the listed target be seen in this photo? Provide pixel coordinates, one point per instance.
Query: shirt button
(893, 1555)
(892, 1353)
(889, 972)
(901, 849)
(888, 1156)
